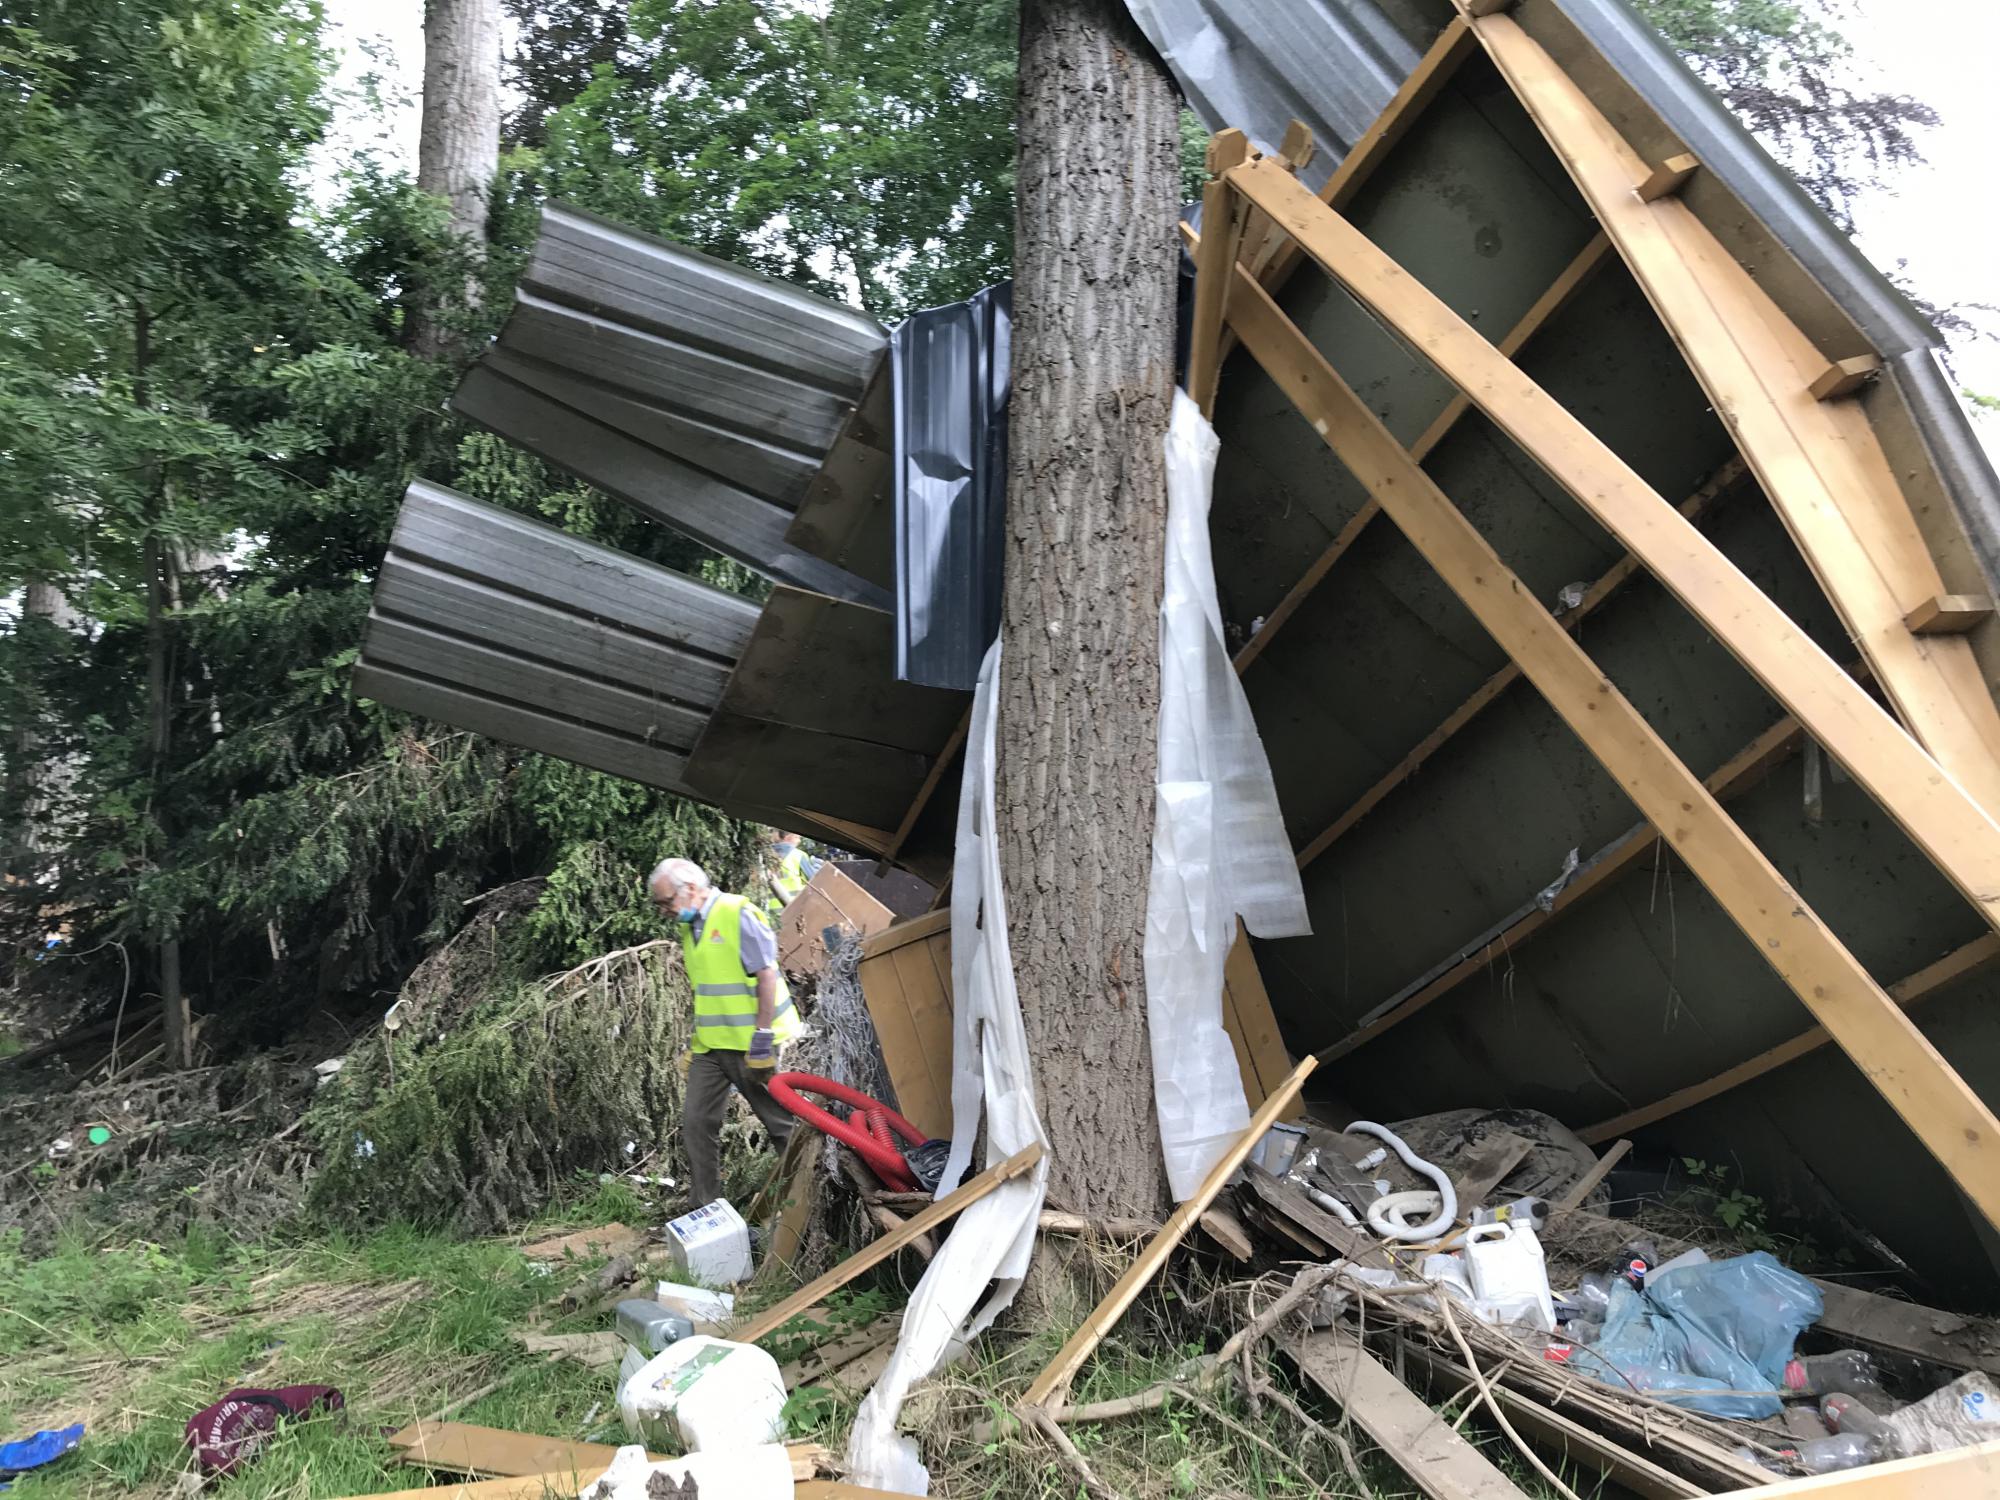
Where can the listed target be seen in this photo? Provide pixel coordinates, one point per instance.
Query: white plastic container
(1510, 1277)
(711, 1244)
(704, 1394)
(760, 1473)
(708, 1311)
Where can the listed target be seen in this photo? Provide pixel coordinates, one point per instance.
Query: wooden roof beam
(1912, 1076)
(1818, 458)
(1575, 276)
(1941, 817)
(1615, 578)
(1959, 964)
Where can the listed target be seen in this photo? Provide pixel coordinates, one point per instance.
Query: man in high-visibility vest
(743, 1013)
(789, 869)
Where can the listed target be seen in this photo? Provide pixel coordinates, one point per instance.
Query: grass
(132, 1339)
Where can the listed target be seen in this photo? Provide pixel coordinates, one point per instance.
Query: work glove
(684, 1062)
(763, 1052)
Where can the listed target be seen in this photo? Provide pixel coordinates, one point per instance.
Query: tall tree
(458, 146)
(1093, 378)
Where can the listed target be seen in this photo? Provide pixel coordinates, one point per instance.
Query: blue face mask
(687, 914)
(784, 849)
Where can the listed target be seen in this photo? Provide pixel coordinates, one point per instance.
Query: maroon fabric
(226, 1435)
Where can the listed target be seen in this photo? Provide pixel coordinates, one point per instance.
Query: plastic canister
(711, 1244)
(649, 1327)
(698, 1304)
(704, 1393)
(1510, 1278)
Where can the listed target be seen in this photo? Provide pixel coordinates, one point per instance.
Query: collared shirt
(757, 943)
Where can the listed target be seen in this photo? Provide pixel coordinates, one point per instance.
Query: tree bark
(38, 775)
(158, 561)
(1093, 343)
(458, 146)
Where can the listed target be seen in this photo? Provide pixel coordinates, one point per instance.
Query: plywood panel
(906, 980)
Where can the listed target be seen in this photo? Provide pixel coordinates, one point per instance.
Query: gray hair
(680, 872)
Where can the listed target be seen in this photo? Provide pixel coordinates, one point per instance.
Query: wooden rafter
(1934, 809)
(1959, 964)
(1614, 579)
(1737, 775)
(1818, 459)
(1951, 1120)
(1572, 280)
(1222, 216)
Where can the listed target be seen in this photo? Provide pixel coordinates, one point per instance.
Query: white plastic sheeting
(993, 1239)
(1219, 845)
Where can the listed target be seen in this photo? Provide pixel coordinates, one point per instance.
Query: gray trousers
(711, 1075)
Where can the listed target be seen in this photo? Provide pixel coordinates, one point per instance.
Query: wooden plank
(523, 1487)
(773, 1318)
(1742, 770)
(1844, 377)
(1906, 992)
(1575, 275)
(929, 1000)
(1052, 1385)
(1222, 1226)
(1904, 1067)
(914, 930)
(1587, 1183)
(1423, 1444)
(1614, 579)
(1215, 266)
(1252, 1024)
(495, 1452)
(1284, 1201)
(1485, 1167)
(1949, 614)
(1668, 178)
(846, 834)
(906, 1046)
(827, 1489)
(1488, 7)
(929, 789)
(1562, 1435)
(1821, 462)
(1944, 820)
(1961, 1474)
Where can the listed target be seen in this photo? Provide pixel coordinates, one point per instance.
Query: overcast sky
(1939, 218)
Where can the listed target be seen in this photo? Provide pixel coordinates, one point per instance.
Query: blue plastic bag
(1713, 1338)
(23, 1454)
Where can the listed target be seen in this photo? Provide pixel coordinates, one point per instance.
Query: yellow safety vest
(786, 882)
(725, 997)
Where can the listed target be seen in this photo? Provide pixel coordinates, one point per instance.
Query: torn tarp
(1219, 845)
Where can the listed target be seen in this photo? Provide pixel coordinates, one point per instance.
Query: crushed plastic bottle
(1846, 1370)
(1846, 1450)
(1636, 1260)
(1846, 1413)
(1593, 1293)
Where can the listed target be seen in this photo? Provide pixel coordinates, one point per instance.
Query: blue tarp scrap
(24, 1454)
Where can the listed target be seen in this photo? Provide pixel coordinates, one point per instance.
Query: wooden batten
(1844, 377)
(1820, 460)
(1668, 178)
(1952, 1121)
(1949, 614)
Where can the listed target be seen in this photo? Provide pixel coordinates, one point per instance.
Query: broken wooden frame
(1942, 811)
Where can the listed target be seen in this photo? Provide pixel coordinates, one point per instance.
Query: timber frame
(1931, 760)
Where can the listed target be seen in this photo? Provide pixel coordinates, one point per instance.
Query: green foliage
(1783, 66)
(860, 147)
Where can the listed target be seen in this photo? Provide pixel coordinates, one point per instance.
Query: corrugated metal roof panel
(1258, 67)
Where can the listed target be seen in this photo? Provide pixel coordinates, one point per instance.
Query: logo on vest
(716, 936)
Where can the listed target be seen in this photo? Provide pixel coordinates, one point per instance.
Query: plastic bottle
(1847, 1450)
(1824, 1374)
(1593, 1293)
(1636, 1259)
(1845, 1413)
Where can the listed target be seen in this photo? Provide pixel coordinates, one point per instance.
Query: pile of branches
(487, 1092)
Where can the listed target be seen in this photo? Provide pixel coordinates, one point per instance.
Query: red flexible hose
(876, 1144)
